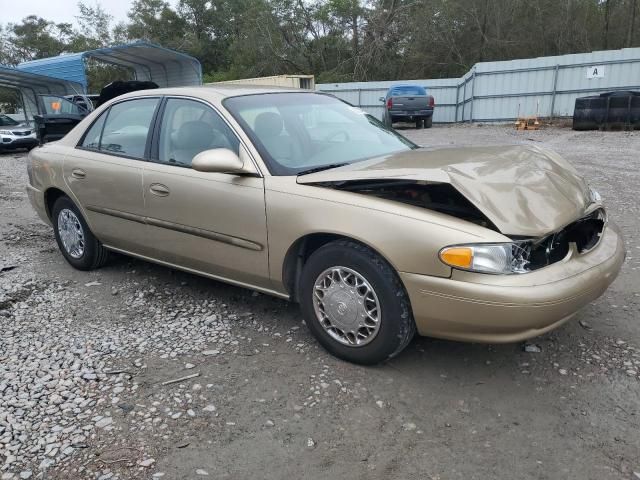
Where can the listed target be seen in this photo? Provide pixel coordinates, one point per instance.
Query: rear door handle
(159, 189)
(78, 173)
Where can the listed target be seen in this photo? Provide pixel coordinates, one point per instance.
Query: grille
(585, 233)
(22, 134)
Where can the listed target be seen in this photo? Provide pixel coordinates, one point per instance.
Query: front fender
(408, 237)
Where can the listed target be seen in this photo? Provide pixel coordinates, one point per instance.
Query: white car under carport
(14, 135)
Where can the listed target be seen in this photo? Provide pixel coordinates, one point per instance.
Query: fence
(502, 91)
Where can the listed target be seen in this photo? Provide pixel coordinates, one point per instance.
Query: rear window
(408, 90)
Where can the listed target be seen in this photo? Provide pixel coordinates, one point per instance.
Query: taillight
(390, 103)
(432, 101)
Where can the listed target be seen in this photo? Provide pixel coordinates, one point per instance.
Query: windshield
(296, 132)
(407, 90)
(6, 121)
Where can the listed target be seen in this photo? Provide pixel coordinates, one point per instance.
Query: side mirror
(381, 99)
(221, 160)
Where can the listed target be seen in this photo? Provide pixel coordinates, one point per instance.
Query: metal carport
(31, 85)
(167, 68)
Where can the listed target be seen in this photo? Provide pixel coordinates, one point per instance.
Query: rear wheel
(354, 303)
(76, 242)
(419, 123)
(428, 122)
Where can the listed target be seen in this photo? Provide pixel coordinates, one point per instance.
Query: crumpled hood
(523, 190)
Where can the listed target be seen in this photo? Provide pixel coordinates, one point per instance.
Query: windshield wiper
(321, 168)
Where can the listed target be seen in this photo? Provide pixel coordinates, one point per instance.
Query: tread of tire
(409, 327)
(101, 253)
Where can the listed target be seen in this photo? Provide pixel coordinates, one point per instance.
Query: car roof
(218, 91)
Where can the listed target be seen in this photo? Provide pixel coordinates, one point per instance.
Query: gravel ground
(138, 371)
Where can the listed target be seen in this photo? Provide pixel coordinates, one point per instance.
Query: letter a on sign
(596, 71)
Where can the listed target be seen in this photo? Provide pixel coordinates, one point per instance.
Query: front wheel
(76, 242)
(354, 303)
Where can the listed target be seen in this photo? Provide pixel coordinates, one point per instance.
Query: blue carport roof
(40, 84)
(166, 67)
(30, 85)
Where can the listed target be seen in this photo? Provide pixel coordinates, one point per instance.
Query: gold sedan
(302, 196)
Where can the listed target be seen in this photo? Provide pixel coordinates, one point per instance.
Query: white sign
(596, 71)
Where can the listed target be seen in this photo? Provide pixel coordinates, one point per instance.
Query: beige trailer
(290, 81)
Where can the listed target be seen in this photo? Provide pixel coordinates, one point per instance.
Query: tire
(395, 325)
(419, 124)
(388, 122)
(89, 254)
(428, 122)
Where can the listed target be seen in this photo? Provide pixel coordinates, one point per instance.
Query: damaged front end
(524, 254)
(530, 254)
(584, 233)
(533, 197)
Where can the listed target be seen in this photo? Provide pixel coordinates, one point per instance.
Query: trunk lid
(523, 190)
(410, 103)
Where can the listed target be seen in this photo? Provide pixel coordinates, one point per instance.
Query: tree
(337, 40)
(34, 38)
(94, 27)
(156, 21)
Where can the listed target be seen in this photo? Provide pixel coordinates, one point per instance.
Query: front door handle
(78, 173)
(159, 189)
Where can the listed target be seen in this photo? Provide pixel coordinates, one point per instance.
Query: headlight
(5, 132)
(505, 258)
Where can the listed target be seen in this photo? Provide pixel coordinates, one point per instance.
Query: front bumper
(511, 308)
(408, 114)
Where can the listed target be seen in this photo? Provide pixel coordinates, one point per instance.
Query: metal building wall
(366, 95)
(502, 91)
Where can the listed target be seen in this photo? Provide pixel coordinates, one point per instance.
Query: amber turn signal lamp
(460, 257)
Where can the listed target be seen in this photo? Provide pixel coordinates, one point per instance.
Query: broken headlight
(504, 258)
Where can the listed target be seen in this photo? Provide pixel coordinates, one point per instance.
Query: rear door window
(127, 127)
(92, 137)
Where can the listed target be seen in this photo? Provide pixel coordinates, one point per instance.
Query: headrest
(268, 124)
(194, 135)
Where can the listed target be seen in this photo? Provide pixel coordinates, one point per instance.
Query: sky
(13, 11)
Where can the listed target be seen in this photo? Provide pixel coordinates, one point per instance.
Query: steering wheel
(333, 135)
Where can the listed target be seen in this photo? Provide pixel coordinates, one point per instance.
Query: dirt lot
(83, 358)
